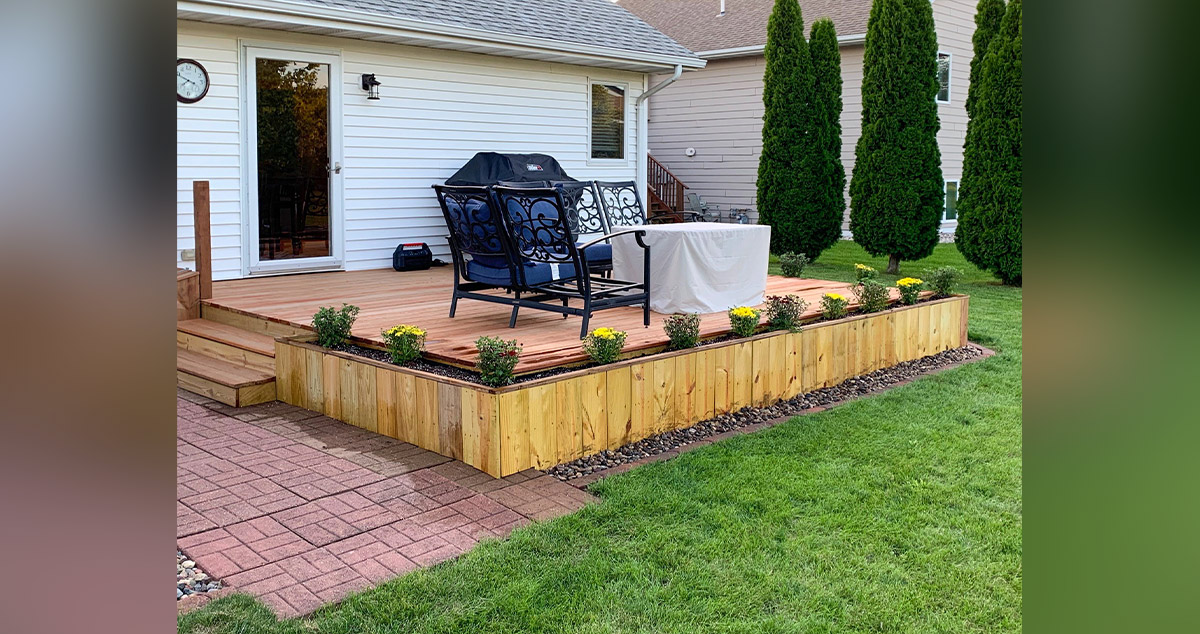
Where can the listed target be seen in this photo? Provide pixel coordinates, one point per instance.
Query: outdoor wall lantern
(371, 85)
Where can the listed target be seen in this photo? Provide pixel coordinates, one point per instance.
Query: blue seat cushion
(539, 273)
(599, 253)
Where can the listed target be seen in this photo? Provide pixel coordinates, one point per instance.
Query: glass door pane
(292, 120)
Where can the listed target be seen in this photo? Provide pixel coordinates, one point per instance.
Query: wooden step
(251, 323)
(221, 380)
(229, 343)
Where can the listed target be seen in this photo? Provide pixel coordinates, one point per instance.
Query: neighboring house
(717, 112)
(309, 171)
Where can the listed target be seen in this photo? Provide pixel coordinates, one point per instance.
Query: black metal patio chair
(550, 267)
(586, 220)
(478, 247)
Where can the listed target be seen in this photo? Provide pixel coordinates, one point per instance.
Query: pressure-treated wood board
(284, 305)
(563, 417)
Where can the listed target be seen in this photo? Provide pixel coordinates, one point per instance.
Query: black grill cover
(489, 168)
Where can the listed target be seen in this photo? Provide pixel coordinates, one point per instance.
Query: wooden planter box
(560, 418)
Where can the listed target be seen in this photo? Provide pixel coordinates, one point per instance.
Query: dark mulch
(848, 389)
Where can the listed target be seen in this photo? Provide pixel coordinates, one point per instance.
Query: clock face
(191, 81)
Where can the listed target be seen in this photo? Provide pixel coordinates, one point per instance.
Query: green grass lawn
(895, 513)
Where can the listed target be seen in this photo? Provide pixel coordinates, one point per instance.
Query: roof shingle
(591, 22)
(697, 25)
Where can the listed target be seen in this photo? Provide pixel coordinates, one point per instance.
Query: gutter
(757, 49)
(305, 14)
(643, 125)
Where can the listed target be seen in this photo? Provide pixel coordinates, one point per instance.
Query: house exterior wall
(437, 109)
(718, 111)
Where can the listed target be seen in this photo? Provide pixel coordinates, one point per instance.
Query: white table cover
(698, 267)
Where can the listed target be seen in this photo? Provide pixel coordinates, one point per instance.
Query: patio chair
(696, 204)
(623, 206)
(478, 247)
(585, 218)
(551, 267)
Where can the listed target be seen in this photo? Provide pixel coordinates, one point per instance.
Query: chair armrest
(637, 233)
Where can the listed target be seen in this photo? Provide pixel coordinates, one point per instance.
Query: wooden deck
(422, 298)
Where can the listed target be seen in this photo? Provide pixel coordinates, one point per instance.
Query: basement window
(943, 67)
(607, 125)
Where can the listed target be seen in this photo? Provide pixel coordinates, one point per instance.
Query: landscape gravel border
(584, 471)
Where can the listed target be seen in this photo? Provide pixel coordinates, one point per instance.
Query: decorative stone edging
(583, 472)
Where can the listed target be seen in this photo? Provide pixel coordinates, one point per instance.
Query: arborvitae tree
(784, 191)
(821, 225)
(989, 205)
(988, 15)
(896, 191)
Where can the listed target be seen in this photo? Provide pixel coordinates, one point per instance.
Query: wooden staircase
(224, 362)
(665, 193)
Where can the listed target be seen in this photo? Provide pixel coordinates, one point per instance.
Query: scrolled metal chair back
(536, 227)
(622, 204)
(584, 213)
(475, 227)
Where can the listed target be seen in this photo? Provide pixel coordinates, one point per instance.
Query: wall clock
(191, 81)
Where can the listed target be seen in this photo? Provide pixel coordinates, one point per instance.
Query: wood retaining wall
(560, 418)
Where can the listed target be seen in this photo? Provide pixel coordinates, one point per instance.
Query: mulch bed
(586, 470)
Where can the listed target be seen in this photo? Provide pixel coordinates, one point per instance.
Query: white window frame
(945, 190)
(949, 78)
(592, 81)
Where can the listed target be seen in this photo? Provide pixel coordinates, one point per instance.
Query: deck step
(229, 335)
(222, 380)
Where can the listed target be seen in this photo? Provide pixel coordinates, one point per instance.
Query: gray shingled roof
(592, 22)
(695, 23)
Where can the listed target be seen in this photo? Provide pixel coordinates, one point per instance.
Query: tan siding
(437, 109)
(718, 111)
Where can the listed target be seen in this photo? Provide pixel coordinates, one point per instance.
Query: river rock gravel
(192, 580)
(848, 389)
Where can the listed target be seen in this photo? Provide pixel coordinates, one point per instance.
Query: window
(608, 122)
(943, 95)
(951, 211)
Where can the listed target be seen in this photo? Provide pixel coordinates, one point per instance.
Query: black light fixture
(371, 85)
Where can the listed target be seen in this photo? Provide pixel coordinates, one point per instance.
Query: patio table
(698, 267)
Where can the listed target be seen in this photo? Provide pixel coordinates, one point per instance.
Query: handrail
(663, 167)
(663, 186)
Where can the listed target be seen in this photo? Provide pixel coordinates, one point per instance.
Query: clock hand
(186, 79)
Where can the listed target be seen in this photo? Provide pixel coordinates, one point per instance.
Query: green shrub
(783, 312)
(990, 203)
(603, 345)
(833, 306)
(942, 280)
(910, 290)
(863, 272)
(792, 264)
(333, 326)
(497, 358)
(404, 343)
(872, 296)
(743, 320)
(821, 224)
(683, 331)
(785, 193)
(896, 191)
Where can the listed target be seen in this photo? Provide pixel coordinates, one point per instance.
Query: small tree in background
(821, 225)
(989, 208)
(783, 168)
(988, 15)
(896, 191)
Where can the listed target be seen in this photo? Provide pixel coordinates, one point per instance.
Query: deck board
(422, 298)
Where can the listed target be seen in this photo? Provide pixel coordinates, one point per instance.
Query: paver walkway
(300, 510)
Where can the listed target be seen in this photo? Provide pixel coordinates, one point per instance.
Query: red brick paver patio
(300, 510)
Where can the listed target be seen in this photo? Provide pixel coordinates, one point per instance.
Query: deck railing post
(203, 237)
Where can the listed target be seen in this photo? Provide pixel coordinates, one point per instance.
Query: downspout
(643, 124)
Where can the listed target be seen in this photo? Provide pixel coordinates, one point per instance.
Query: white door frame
(251, 51)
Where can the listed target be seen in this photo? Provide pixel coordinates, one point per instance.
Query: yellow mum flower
(743, 311)
(605, 333)
(908, 281)
(864, 267)
(405, 330)
(834, 296)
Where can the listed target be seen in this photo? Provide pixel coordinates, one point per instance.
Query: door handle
(337, 167)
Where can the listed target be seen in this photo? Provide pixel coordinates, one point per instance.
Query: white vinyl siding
(436, 110)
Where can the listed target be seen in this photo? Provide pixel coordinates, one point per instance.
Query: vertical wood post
(203, 237)
(678, 195)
